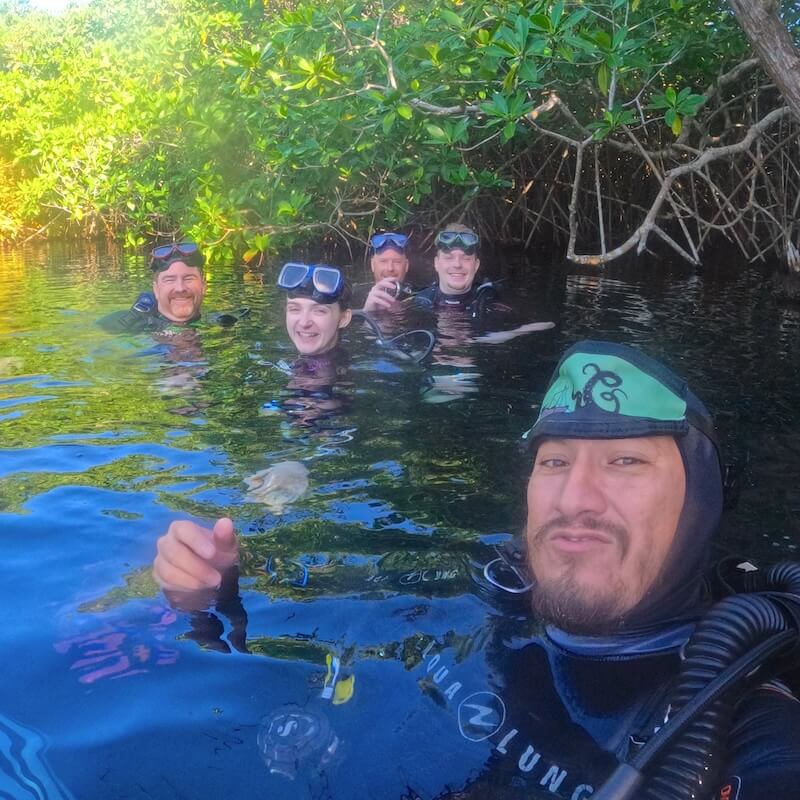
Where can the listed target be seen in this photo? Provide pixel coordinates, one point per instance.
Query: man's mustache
(587, 521)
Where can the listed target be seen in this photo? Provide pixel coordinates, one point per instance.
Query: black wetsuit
(496, 718)
(311, 397)
(476, 302)
(142, 317)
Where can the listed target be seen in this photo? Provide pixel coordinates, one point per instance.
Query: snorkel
(402, 345)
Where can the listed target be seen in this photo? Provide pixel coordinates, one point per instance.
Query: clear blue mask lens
(327, 281)
(293, 275)
(323, 281)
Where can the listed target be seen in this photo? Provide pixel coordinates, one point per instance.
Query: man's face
(456, 270)
(179, 291)
(314, 327)
(389, 263)
(602, 516)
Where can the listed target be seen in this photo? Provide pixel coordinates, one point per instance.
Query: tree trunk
(773, 45)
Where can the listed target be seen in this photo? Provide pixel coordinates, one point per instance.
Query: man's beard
(563, 602)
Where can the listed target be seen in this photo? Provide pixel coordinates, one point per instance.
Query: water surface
(106, 439)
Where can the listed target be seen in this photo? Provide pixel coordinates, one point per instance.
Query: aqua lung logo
(480, 715)
(482, 718)
(287, 728)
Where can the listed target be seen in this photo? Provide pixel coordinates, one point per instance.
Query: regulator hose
(737, 636)
(417, 355)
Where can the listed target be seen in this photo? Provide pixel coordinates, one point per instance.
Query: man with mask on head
(388, 260)
(457, 289)
(623, 499)
(179, 286)
(457, 263)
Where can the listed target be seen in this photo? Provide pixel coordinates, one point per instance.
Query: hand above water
(192, 558)
(382, 296)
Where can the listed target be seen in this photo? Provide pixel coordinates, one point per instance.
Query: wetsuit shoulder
(141, 317)
(126, 321)
(763, 747)
(426, 298)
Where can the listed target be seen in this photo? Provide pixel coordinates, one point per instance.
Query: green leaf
(451, 18)
(541, 22)
(677, 125)
(529, 73)
(404, 111)
(556, 14)
(435, 132)
(500, 103)
(603, 39)
(691, 104)
(509, 130)
(669, 93)
(659, 101)
(574, 18)
(499, 50)
(603, 78)
(388, 121)
(511, 78)
(601, 130)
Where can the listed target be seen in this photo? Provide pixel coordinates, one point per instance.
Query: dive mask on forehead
(380, 241)
(321, 283)
(164, 255)
(458, 240)
(603, 390)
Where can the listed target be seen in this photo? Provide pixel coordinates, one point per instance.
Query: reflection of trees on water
(311, 559)
(317, 562)
(398, 488)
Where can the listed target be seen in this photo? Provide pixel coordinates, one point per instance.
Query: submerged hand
(382, 296)
(192, 558)
(497, 337)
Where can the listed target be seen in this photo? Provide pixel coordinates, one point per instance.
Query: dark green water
(106, 439)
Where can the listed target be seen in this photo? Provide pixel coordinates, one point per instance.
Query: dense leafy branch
(576, 125)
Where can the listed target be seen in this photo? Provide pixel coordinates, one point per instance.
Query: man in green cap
(624, 496)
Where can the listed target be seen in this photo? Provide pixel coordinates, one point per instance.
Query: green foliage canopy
(252, 126)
